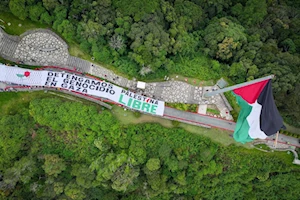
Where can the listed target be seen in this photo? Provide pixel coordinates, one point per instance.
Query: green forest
(53, 148)
(236, 39)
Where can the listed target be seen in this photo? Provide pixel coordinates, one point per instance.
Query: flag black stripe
(270, 119)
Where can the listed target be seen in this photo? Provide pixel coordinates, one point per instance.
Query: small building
(141, 85)
(222, 83)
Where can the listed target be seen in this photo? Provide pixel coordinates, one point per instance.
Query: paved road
(284, 139)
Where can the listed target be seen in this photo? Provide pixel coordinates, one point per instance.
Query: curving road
(198, 119)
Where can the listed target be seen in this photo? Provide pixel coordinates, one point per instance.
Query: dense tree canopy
(64, 150)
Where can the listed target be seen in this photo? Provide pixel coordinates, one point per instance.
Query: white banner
(83, 85)
(21, 76)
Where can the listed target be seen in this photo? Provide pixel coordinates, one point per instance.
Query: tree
(153, 164)
(53, 165)
(288, 45)
(226, 48)
(191, 11)
(50, 4)
(18, 8)
(15, 132)
(36, 11)
(60, 14)
(150, 44)
(252, 13)
(186, 44)
(46, 18)
(67, 29)
(125, 177)
(58, 187)
(102, 55)
(116, 42)
(84, 176)
(4, 5)
(223, 38)
(290, 109)
(136, 8)
(23, 171)
(92, 30)
(74, 191)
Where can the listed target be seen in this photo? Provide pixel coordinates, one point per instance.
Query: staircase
(80, 64)
(8, 46)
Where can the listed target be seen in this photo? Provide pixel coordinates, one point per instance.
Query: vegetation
(295, 135)
(183, 106)
(17, 26)
(7, 62)
(52, 148)
(70, 150)
(213, 111)
(263, 146)
(236, 108)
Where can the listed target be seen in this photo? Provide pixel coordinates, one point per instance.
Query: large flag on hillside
(259, 117)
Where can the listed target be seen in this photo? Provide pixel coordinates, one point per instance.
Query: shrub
(175, 123)
(183, 106)
(137, 114)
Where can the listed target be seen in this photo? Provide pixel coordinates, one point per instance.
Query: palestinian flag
(259, 117)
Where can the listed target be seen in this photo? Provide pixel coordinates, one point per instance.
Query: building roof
(141, 85)
(222, 83)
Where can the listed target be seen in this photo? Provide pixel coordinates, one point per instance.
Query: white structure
(141, 85)
(202, 109)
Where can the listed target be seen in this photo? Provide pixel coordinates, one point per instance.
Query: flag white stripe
(254, 122)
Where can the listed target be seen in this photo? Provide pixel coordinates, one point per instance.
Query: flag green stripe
(241, 132)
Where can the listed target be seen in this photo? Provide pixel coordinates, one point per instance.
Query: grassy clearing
(287, 158)
(217, 135)
(75, 50)
(221, 136)
(183, 106)
(14, 28)
(192, 81)
(213, 111)
(12, 102)
(263, 146)
(128, 117)
(65, 96)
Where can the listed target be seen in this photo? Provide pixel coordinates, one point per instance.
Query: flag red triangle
(250, 93)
